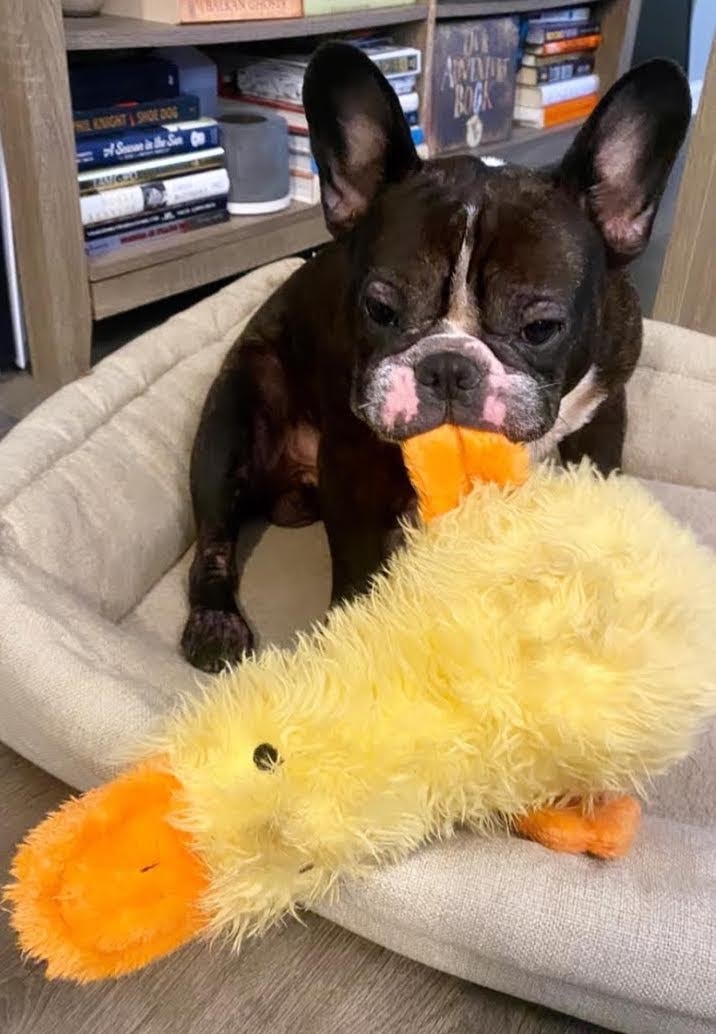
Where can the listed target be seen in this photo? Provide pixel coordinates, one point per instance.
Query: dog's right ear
(359, 136)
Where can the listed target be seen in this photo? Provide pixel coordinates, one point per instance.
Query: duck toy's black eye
(266, 757)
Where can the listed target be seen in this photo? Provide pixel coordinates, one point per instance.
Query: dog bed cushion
(95, 543)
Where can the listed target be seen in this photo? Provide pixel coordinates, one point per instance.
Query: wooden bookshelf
(108, 32)
(63, 292)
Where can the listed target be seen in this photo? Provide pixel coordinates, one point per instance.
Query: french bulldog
(492, 298)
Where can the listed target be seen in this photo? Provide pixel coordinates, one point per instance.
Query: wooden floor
(312, 979)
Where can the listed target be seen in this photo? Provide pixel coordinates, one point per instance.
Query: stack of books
(148, 164)
(276, 83)
(556, 82)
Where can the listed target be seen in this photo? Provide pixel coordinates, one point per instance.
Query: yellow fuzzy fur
(550, 640)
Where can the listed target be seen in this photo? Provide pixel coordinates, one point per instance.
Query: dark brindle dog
(453, 291)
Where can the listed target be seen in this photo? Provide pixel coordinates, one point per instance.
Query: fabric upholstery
(95, 536)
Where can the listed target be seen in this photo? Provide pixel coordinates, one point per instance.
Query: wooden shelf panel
(527, 145)
(522, 136)
(109, 32)
(143, 273)
(481, 8)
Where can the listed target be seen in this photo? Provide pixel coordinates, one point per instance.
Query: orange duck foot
(608, 831)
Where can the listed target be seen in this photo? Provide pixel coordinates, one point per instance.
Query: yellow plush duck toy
(541, 647)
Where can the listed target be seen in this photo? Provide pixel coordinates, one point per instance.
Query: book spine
(104, 245)
(567, 45)
(409, 102)
(183, 108)
(272, 79)
(571, 14)
(118, 176)
(136, 144)
(403, 84)
(298, 144)
(397, 64)
(169, 215)
(556, 114)
(555, 93)
(123, 202)
(301, 162)
(237, 10)
(107, 83)
(570, 68)
(305, 187)
(555, 33)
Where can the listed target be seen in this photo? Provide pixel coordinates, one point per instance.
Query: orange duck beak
(106, 883)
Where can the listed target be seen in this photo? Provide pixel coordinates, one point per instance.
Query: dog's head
(473, 286)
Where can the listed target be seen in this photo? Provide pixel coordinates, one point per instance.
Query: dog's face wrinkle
(530, 255)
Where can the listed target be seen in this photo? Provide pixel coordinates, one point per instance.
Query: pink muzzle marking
(401, 398)
(494, 411)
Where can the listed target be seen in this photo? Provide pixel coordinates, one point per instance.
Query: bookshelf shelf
(482, 8)
(144, 273)
(108, 32)
(556, 138)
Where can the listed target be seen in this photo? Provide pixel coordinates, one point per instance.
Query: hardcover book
(178, 11)
(557, 69)
(567, 14)
(473, 82)
(143, 219)
(554, 93)
(552, 32)
(183, 108)
(136, 144)
(557, 114)
(564, 46)
(123, 202)
(101, 84)
(94, 181)
(171, 227)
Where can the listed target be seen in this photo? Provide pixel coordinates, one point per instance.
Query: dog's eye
(539, 332)
(380, 308)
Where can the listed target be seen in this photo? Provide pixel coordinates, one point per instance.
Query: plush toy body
(538, 644)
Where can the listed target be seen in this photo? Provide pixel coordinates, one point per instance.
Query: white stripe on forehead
(461, 304)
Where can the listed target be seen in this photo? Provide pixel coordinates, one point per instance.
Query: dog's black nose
(447, 374)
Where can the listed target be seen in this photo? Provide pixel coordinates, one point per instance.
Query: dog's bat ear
(359, 136)
(619, 162)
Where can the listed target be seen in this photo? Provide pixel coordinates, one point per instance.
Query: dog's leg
(221, 489)
(602, 439)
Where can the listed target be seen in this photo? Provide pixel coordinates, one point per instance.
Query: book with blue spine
(182, 108)
(101, 83)
(137, 144)
(567, 14)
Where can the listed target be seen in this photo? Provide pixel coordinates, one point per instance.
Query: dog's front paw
(215, 638)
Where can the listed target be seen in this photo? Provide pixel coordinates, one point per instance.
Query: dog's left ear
(620, 160)
(359, 136)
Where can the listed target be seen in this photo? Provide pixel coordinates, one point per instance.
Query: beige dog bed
(95, 533)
